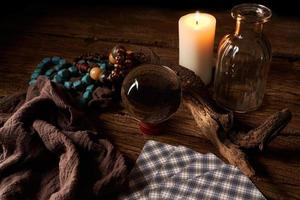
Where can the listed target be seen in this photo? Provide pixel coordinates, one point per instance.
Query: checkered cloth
(163, 171)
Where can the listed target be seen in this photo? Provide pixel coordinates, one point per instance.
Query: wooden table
(28, 36)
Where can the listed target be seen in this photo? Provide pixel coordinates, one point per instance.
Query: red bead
(82, 67)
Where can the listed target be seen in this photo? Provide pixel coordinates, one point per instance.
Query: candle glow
(196, 40)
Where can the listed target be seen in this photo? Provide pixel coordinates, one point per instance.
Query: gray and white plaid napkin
(164, 171)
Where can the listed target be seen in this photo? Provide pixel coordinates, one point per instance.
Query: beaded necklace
(88, 71)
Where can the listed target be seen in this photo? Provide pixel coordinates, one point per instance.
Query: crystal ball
(151, 93)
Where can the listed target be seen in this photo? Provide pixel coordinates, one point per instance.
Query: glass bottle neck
(243, 28)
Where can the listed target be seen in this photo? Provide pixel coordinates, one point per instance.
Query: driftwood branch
(264, 133)
(216, 124)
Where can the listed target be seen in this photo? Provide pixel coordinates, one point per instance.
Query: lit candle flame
(197, 17)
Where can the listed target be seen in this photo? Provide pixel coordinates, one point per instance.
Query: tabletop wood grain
(68, 31)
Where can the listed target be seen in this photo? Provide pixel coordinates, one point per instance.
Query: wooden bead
(122, 73)
(111, 59)
(129, 54)
(95, 73)
(128, 63)
(103, 78)
(118, 50)
(119, 59)
(119, 66)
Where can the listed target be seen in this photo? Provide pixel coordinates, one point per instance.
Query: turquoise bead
(77, 84)
(57, 79)
(90, 87)
(32, 82)
(87, 95)
(41, 65)
(62, 61)
(86, 79)
(81, 62)
(64, 73)
(55, 59)
(37, 70)
(34, 75)
(73, 70)
(49, 72)
(46, 60)
(58, 67)
(103, 66)
(68, 84)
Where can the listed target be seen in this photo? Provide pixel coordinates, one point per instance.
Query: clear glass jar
(243, 60)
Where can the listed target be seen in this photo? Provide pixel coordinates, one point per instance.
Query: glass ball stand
(151, 94)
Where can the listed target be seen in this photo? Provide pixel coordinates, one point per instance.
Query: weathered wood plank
(61, 32)
(275, 178)
(283, 88)
(142, 26)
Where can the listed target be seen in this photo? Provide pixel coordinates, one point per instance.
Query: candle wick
(197, 22)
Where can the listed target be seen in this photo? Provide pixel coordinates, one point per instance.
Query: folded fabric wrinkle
(48, 152)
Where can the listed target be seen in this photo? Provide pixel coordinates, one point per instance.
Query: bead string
(87, 71)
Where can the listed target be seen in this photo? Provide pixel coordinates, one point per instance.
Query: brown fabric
(47, 153)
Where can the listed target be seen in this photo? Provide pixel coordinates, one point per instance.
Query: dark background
(279, 7)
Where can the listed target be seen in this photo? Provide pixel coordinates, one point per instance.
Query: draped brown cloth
(48, 152)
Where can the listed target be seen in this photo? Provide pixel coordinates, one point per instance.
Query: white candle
(196, 42)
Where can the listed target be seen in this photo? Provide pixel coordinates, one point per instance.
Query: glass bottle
(243, 60)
